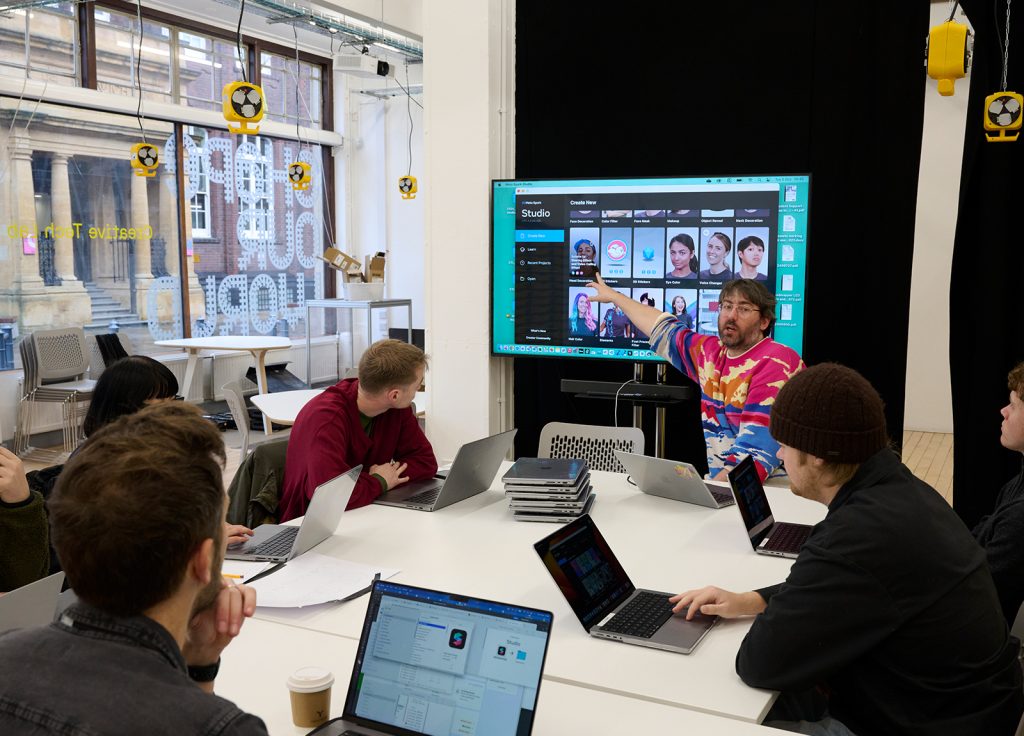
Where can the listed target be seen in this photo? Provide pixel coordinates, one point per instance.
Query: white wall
(928, 404)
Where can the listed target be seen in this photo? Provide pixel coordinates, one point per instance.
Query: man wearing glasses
(739, 372)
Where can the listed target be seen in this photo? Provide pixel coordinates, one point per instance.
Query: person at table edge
(366, 420)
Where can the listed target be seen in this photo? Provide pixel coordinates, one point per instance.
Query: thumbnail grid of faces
(673, 260)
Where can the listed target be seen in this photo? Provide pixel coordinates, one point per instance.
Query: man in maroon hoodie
(366, 420)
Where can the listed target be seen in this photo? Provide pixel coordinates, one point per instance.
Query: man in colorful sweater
(739, 372)
(366, 420)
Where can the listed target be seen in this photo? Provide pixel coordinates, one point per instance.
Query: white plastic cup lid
(310, 680)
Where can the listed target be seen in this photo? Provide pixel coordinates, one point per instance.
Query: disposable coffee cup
(310, 689)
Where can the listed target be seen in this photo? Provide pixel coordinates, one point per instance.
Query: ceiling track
(279, 11)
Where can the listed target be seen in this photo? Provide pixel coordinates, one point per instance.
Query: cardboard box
(375, 267)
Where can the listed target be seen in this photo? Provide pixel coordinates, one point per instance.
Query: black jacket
(93, 673)
(1001, 534)
(890, 609)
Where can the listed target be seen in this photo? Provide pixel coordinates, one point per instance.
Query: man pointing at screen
(739, 372)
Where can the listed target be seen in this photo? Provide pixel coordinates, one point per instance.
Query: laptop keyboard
(641, 617)
(279, 544)
(721, 496)
(788, 538)
(424, 497)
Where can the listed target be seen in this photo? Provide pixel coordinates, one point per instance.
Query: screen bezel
(759, 530)
(653, 359)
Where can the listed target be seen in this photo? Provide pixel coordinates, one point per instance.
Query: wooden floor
(929, 455)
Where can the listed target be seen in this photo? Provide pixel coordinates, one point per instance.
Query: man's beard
(212, 589)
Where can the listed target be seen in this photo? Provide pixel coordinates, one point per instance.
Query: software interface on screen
(439, 664)
(668, 243)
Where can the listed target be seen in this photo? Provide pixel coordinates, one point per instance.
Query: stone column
(168, 199)
(60, 198)
(24, 220)
(143, 259)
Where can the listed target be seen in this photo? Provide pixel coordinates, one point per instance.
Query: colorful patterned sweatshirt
(736, 393)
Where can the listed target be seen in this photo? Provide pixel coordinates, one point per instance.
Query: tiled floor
(929, 455)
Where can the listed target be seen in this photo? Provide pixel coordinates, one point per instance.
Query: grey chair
(595, 444)
(235, 393)
(55, 364)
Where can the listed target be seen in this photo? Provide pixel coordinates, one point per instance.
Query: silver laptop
(767, 536)
(30, 605)
(605, 600)
(280, 543)
(438, 663)
(472, 472)
(672, 479)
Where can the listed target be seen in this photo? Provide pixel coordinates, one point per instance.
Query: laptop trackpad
(678, 632)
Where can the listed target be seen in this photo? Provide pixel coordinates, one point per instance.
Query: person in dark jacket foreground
(140, 650)
(889, 622)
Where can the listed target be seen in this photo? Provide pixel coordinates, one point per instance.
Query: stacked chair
(55, 363)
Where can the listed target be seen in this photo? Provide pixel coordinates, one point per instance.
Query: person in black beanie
(889, 622)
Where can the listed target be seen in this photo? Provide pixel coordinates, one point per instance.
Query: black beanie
(832, 412)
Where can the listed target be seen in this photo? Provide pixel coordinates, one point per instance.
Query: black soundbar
(654, 392)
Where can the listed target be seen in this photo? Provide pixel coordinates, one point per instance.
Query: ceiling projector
(362, 66)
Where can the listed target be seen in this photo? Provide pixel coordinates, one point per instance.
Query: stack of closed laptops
(548, 489)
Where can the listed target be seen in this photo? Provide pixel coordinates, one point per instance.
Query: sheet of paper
(313, 578)
(239, 571)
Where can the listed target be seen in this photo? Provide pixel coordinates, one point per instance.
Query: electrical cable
(138, 67)
(616, 409)
(956, 4)
(408, 110)
(242, 60)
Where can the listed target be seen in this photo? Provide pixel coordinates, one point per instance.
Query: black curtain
(833, 89)
(986, 329)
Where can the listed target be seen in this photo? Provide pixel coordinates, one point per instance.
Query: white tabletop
(476, 548)
(255, 666)
(284, 406)
(228, 342)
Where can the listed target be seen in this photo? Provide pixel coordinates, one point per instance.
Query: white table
(255, 666)
(476, 548)
(259, 347)
(284, 406)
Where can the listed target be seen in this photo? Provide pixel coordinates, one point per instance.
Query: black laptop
(767, 536)
(605, 600)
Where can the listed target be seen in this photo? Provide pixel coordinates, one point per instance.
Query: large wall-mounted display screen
(670, 243)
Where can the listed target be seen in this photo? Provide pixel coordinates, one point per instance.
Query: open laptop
(30, 605)
(440, 663)
(280, 543)
(678, 481)
(767, 536)
(472, 472)
(605, 600)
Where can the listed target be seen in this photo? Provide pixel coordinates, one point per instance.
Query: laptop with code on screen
(440, 663)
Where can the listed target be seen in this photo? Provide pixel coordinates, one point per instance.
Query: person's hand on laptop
(13, 484)
(236, 534)
(391, 473)
(712, 601)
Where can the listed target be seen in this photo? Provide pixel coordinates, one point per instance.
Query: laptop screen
(584, 567)
(751, 498)
(439, 663)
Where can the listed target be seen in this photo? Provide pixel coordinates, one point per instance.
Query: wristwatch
(204, 673)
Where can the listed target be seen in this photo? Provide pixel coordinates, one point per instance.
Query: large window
(279, 81)
(42, 42)
(205, 65)
(117, 35)
(259, 264)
